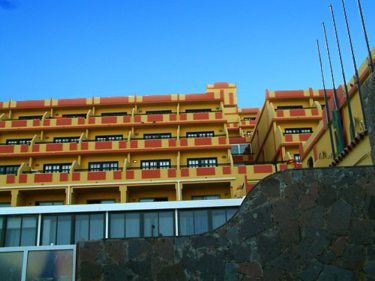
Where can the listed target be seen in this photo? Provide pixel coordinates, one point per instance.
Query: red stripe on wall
(19, 123)
(148, 174)
(209, 171)
(109, 119)
(130, 175)
(202, 141)
(43, 178)
(72, 102)
(103, 145)
(6, 148)
(152, 143)
(54, 147)
(184, 172)
(76, 176)
(30, 104)
(64, 177)
(241, 169)
(64, 121)
(263, 169)
(171, 173)
(99, 175)
(11, 179)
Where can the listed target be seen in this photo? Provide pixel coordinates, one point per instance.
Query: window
(282, 107)
(18, 141)
(20, 231)
(201, 162)
(89, 227)
(158, 112)
(199, 221)
(103, 201)
(3, 205)
(206, 134)
(56, 230)
(114, 113)
(297, 158)
(50, 203)
(66, 139)
(103, 166)
(109, 138)
(9, 170)
(298, 131)
(155, 164)
(239, 149)
(157, 136)
(198, 110)
(57, 168)
(36, 117)
(205, 197)
(157, 199)
(248, 118)
(145, 224)
(74, 115)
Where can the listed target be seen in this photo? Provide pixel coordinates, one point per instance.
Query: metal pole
(326, 102)
(358, 80)
(336, 110)
(370, 63)
(351, 122)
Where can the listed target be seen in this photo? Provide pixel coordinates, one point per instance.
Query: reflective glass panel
(166, 223)
(64, 230)
(49, 230)
(117, 223)
(201, 221)
(151, 224)
(96, 226)
(13, 232)
(218, 218)
(11, 266)
(50, 265)
(231, 212)
(28, 235)
(186, 222)
(82, 228)
(132, 225)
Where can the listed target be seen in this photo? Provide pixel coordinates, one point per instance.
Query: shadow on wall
(313, 224)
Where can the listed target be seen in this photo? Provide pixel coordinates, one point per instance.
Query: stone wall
(313, 224)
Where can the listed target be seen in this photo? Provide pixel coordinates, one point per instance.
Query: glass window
(297, 158)
(66, 139)
(205, 197)
(13, 232)
(50, 203)
(231, 212)
(35, 117)
(114, 113)
(155, 164)
(218, 218)
(89, 227)
(82, 228)
(109, 138)
(56, 230)
(200, 221)
(96, 226)
(289, 107)
(11, 265)
(151, 224)
(117, 225)
(186, 222)
(198, 110)
(132, 225)
(206, 134)
(166, 223)
(75, 115)
(201, 162)
(18, 141)
(298, 131)
(158, 112)
(103, 166)
(56, 168)
(9, 170)
(28, 235)
(49, 265)
(4, 204)
(157, 136)
(239, 149)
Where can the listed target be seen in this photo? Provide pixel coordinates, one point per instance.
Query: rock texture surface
(315, 224)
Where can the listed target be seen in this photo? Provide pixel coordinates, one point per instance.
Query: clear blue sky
(84, 48)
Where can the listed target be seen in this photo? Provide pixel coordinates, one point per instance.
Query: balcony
(310, 112)
(111, 121)
(121, 146)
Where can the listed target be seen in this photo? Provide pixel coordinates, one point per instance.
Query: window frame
(56, 168)
(18, 141)
(156, 164)
(202, 162)
(200, 134)
(102, 166)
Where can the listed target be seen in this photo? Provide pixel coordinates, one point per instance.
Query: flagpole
(370, 63)
(326, 102)
(357, 78)
(351, 123)
(336, 110)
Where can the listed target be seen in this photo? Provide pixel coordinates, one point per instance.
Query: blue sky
(85, 48)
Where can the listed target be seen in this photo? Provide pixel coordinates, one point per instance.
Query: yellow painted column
(16, 198)
(123, 194)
